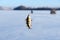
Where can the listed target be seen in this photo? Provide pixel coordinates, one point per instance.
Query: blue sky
(32, 3)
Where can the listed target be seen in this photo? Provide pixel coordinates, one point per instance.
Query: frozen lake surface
(45, 26)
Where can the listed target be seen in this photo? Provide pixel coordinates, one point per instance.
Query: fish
(29, 21)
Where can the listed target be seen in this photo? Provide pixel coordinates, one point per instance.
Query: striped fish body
(28, 21)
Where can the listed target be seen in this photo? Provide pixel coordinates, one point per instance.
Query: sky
(31, 3)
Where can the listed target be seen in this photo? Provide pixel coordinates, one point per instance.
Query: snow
(45, 26)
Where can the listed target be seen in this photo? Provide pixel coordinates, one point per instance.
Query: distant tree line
(29, 8)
